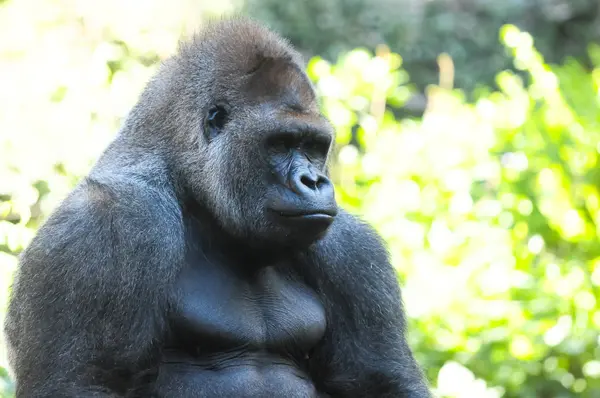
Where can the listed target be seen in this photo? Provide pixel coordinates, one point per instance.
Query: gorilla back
(205, 254)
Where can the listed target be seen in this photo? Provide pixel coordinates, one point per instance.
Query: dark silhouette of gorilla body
(205, 254)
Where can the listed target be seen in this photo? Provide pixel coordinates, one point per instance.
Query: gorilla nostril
(309, 181)
(322, 181)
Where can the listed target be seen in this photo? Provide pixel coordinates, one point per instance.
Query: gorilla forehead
(284, 81)
(240, 57)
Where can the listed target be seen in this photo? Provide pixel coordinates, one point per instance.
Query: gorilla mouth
(308, 214)
(312, 219)
(310, 224)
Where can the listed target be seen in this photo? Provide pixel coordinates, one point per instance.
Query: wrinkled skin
(205, 254)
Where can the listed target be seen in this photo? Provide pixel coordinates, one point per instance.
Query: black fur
(183, 265)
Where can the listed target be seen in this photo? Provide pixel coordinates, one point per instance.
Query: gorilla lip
(313, 217)
(314, 223)
(316, 215)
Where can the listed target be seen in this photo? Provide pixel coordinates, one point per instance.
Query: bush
(491, 211)
(421, 30)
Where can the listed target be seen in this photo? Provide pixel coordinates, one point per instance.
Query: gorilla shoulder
(350, 235)
(105, 225)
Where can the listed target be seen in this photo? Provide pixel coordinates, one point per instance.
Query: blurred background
(468, 133)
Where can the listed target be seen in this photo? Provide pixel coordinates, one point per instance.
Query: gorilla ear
(215, 120)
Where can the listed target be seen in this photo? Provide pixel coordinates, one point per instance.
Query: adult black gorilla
(205, 255)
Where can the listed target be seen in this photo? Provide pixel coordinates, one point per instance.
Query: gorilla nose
(310, 182)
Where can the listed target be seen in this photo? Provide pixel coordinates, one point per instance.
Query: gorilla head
(256, 145)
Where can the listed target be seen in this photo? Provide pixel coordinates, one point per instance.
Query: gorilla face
(272, 163)
(272, 166)
(264, 149)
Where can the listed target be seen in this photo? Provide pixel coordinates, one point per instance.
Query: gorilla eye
(216, 119)
(318, 146)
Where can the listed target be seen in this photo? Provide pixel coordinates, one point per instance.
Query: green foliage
(421, 30)
(491, 211)
(490, 208)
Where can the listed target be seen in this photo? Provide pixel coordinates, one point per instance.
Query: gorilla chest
(219, 310)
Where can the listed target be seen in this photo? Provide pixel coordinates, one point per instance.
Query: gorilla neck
(201, 223)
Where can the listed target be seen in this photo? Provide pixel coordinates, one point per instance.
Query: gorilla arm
(364, 352)
(88, 303)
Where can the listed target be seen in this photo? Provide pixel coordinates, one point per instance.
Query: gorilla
(205, 255)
